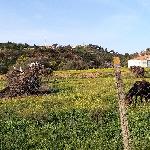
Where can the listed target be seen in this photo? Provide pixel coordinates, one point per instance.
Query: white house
(143, 61)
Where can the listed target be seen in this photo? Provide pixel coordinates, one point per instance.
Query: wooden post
(121, 103)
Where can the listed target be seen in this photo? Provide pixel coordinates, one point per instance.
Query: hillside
(58, 57)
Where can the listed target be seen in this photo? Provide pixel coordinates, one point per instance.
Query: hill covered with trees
(58, 57)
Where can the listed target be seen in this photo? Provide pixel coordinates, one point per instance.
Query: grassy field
(81, 113)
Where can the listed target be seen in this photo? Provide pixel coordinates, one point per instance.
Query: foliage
(81, 113)
(9, 53)
(58, 57)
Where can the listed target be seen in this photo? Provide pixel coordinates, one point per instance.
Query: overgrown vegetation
(58, 57)
(81, 113)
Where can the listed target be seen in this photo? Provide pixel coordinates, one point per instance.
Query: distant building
(143, 61)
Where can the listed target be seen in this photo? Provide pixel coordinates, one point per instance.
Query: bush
(3, 69)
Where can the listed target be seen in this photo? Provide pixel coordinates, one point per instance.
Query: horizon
(121, 26)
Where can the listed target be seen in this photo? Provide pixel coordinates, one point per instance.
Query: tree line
(58, 57)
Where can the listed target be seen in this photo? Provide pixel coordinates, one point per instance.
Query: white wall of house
(133, 62)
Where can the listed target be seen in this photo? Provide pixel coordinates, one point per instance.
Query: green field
(81, 113)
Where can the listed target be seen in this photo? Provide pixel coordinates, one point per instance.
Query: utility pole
(121, 103)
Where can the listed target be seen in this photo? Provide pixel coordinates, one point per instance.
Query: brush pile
(138, 71)
(25, 82)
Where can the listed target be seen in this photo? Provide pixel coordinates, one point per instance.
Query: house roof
(145, 57)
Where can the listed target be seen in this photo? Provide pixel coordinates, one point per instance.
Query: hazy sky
(122, 25)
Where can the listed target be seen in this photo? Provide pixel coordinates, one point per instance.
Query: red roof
(145, 57)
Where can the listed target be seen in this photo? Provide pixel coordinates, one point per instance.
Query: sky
(119, 25)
